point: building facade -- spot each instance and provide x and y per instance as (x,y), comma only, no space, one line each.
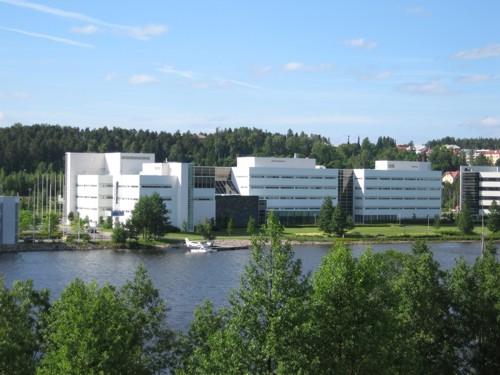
(395,191)
(99,185)
(9,220)
(479,187)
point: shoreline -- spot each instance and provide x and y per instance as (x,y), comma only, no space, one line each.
(63,246)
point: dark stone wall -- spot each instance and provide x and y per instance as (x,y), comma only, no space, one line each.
(238,207)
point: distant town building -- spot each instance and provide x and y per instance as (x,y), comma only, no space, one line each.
(9,220)
(100,185)
(450,176)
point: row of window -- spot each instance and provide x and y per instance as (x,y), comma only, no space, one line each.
(298,198)
(264,187)
(402,178)
(294,177)
(400,198)
(401,188)
(397,208)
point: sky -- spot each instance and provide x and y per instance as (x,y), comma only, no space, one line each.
(413,71)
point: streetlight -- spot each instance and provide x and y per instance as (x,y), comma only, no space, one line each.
(428,218)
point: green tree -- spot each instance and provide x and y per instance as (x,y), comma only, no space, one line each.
(150,217)
(464,220)
(493,221)
(425,342)
(265,329)
(119,234)
(230,226)
(437,221)
(90,330)
(353,325)
(21,309)
(148,313)
(251,226)
(339,221)
(476,307)
(205,229)
(325,219)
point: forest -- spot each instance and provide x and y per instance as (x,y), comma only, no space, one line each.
(376,313)
(33,156)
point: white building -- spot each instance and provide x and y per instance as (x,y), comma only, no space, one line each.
(396,190)
(99,185)
(293,188)
(9,220)
(479,187)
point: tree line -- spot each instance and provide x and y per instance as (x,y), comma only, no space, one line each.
(378,313)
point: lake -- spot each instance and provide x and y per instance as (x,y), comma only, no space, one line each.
(184,279)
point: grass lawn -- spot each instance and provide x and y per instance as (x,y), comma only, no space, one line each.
(389,232)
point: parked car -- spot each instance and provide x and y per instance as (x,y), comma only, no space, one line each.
(28,239)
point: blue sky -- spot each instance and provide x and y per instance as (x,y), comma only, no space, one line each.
(414,71)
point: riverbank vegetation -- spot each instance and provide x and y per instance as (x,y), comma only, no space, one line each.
(392,312)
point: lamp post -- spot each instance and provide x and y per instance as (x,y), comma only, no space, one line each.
(428,218)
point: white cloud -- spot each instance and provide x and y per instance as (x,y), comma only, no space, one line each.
(145,32)
(375,76)
(296,66)
(139,79)
(202,81)
(417,9)
(492,50)
(260,71)
(110,77)
(475,78)
(142,33)
(22,95)
(490,122)
(2,116)
(181,73)
(361,43)
(429,88)
(49,37)
(89,29)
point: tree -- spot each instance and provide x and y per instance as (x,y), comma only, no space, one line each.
(464,220)
(150,216)
(265,327)
(493,221)
(325,219)
(339,221)
(205,229)
(21,307)
(352,323)
(251,226)
(90,330)
(425,342)
(230,226)
(476,308)
(437,221)
(148,313)
(119,235)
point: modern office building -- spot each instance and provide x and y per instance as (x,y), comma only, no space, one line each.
(479,187)
(396,190)
(99,185)
(294,188)
(9,220)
